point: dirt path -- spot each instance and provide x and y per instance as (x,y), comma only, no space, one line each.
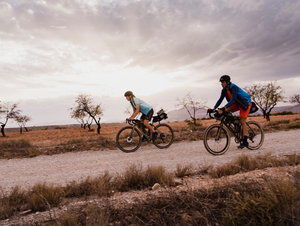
(63,168)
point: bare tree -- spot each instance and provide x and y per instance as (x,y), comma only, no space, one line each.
(85,104)
(22,120)
(82,117)
(295,99)
(266,96)
(8,111)
(191,105)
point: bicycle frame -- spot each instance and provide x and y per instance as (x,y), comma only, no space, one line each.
(135,124)
(238,134)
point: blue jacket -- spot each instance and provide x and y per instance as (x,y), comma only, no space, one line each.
(238,96)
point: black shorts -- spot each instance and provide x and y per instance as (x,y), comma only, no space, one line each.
(148,116)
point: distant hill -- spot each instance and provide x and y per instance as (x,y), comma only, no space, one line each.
(181,115)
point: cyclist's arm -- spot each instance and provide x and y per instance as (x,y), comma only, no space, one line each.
(136,111)
(220,100)
(233,96)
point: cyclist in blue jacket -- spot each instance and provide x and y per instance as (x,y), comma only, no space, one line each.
(238,100)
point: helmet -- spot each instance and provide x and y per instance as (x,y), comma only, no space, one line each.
(225,78)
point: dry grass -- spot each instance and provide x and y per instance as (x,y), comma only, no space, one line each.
(42,196)
(246,163)
(276,203)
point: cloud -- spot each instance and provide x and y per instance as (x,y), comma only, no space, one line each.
(52,47)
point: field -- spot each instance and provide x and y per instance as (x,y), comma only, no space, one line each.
(61,135)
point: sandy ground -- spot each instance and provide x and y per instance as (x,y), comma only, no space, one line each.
(63,168)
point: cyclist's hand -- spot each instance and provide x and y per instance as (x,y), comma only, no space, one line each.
(209,111)
(221,110)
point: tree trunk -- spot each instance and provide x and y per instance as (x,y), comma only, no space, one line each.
(21,130)
(99,127)
(26,129)
(195,121)
(89,126)
(2,130)
(268,116)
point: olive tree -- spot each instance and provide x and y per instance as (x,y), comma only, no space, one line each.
(85,105)
(8,111)
(22,120)
(266,96)
(191,105)
(295,99)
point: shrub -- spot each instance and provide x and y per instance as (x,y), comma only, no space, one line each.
(41,196)
(295,125)
(30,152)
(14,144)
(182,171)
(284,113)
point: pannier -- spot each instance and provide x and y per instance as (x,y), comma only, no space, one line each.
(254,108)
(161,115)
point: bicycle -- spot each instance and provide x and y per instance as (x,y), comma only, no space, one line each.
(129,138)
(217,138)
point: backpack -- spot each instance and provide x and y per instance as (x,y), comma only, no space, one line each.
(254,108)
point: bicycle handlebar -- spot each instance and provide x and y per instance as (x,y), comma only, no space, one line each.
(132,122)
(211,111)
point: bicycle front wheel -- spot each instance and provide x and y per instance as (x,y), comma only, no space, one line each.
(216,139)
(256,135)
(128,139)
(165,136)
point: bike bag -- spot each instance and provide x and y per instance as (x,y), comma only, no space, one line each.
(254,108)
(161,115)
(233,119)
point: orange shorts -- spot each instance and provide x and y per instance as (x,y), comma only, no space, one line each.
(243,113)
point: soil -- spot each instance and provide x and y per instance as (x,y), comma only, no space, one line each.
(63,168)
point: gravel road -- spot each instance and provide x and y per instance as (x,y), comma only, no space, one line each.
(64,168)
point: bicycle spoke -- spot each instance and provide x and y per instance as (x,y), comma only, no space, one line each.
(128,139)
(256,135)
(165,136)
(216,140)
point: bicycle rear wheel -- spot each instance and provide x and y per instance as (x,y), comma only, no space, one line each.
(128,139)
(216,139)
(256,135)
(165,136)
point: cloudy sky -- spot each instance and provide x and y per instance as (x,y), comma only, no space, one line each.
(53,50)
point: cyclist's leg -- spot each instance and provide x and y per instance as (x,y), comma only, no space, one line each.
(147,118)
(243,119)
(244,116)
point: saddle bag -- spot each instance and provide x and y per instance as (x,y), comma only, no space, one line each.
(161,115)
(254,108)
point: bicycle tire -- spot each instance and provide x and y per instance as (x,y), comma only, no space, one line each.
(126,143)
(256,135)
(214,145)
(165,136)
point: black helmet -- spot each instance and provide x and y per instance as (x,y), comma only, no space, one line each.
(225,78)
